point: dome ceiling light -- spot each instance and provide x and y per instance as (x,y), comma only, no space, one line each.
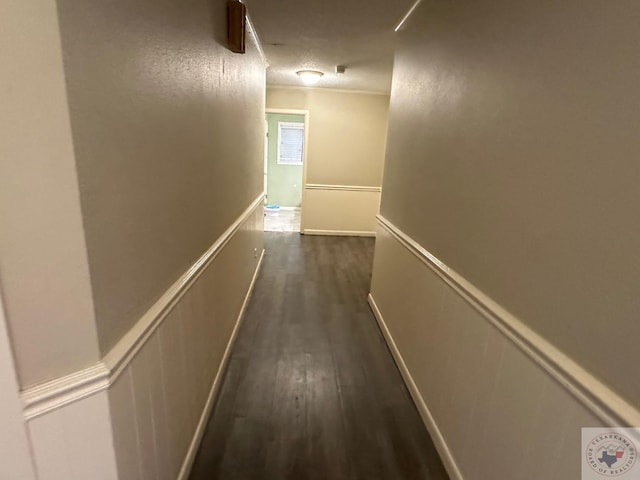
(310,77)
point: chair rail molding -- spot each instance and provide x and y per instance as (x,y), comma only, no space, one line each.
(589,391)
(46,397)
(346,188)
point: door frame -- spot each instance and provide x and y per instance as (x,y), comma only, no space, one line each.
(305,158)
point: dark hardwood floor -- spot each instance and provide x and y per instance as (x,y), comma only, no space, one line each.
(311,391)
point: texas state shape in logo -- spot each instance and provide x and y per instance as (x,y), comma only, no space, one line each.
(611,454)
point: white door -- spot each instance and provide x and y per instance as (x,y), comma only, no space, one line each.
(266,153)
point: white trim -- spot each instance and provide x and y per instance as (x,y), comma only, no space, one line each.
(45,397)
(256,38)
(338,233)
(287,111)
(345,188)
(599,399)
(438,440)
(215,388)
(327,89)
(407,15)
(49,396)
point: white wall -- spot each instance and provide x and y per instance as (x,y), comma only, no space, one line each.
(345,154)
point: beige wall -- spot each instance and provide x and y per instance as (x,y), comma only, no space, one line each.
(343,212)
(43,262)
(131,215)
(346,145)
(14,442)
(146,418)
(161,402)
(347,133)
(482,395)
(164,126)
(512,157)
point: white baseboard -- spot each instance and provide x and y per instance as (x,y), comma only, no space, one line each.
(441,445)
(215,388)
(338,233)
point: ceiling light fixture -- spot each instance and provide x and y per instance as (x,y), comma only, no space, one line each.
(310,77)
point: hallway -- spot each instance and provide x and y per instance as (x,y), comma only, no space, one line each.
(311,390)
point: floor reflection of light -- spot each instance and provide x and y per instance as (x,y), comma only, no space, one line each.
(283,220)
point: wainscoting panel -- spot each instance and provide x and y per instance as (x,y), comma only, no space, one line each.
(139,414)
(74,442)
(183,417)
(494,408)
(340,210)
(176,374)
(125,430)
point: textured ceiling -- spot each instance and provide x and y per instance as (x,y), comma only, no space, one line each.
(320,34)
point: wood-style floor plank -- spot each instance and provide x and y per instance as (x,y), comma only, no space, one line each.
(311,391)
